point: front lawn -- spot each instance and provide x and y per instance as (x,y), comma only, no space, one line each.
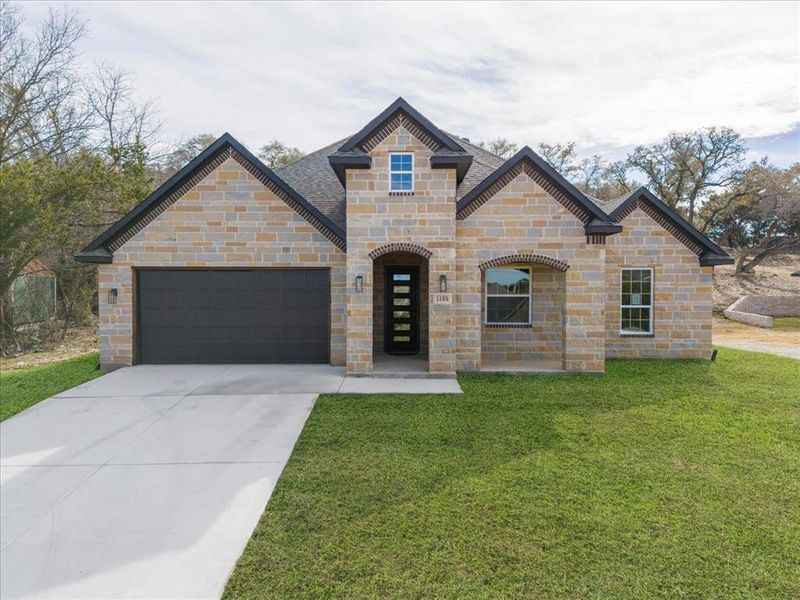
(23,388)
(671,479)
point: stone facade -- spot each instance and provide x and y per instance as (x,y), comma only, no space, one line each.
(682,293)
(541,342)
(522,218)
(231,219)
(228,220)
(375,218)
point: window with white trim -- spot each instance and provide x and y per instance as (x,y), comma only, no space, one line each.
(401,172)
(508,296)
(636,302)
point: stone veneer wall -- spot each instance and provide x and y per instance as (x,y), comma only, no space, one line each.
(375,218)
(682,293)
(228,220)
(524,218)
(543,340)
(379,292)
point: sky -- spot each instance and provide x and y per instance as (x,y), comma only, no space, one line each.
(608,76)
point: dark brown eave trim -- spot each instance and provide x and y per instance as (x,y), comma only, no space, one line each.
(400,105)
(341,162)
(711,254)
(101,255)
(598,226)
(710,259)
(460,163)
(97,251)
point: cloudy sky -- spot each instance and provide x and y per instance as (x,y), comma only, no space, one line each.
(606,75)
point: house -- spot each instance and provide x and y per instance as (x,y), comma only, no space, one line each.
(402,248)
(34,297)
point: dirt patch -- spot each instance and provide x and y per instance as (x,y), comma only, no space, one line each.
(771,278)
(76,342)
(725,331)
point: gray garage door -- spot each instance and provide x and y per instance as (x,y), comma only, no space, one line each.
(236,316)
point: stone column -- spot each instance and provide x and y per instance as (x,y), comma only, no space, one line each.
(584,310)
(441,317)
(359,312)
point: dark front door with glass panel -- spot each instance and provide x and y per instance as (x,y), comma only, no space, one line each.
(402,310)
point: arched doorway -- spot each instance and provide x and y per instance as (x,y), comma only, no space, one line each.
(400,309)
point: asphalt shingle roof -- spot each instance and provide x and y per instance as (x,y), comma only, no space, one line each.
(610,206)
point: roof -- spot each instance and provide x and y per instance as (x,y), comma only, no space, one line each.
(610,206)
(313,185)
(313,177)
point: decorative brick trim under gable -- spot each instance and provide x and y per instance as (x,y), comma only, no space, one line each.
(511,259)
(400,247)
(531,171)
(400,120)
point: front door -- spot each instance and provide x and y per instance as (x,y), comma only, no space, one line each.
(402,310)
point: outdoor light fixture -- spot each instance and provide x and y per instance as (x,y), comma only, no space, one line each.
(112,296)
(443,283)
(359,283)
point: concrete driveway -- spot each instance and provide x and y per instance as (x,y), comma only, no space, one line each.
(147,482)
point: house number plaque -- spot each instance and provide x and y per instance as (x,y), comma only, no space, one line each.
(443,298)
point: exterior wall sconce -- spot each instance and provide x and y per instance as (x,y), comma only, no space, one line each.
(359,284)
(112,296)
(443,283)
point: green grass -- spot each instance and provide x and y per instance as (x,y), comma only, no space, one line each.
(25,387)
(663,479)
(786,324)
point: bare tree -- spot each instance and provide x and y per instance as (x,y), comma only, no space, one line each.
(686,168)
(184,152)
(40,110)
(123,123)
(500,147)
(277,154)
(562,157)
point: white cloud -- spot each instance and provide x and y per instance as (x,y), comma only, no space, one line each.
(611,74)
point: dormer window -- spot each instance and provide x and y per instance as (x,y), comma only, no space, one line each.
(401,172)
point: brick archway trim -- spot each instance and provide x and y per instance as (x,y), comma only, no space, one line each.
(538,259)
(400,247)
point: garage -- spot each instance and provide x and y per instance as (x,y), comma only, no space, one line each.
(235,316)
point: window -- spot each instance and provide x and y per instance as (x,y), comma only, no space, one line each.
(401,172)
(508,296)
(637,302)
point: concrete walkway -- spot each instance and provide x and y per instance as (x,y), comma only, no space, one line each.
(790,350)
(148,482)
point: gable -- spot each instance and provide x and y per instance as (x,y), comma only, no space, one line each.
(708,252)
(596,222)
(101,249)
(354,153)
(228,213)
(400,113)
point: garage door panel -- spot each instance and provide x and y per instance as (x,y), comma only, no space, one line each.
(236,316)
